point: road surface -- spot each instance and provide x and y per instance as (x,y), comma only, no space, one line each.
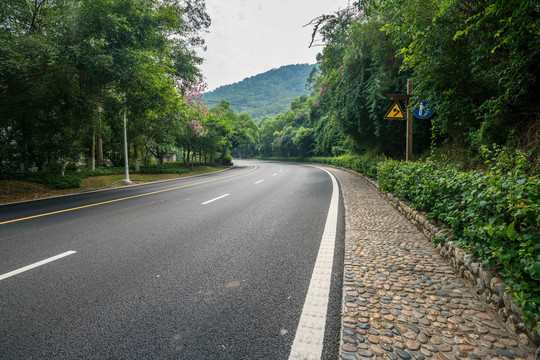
(210,267)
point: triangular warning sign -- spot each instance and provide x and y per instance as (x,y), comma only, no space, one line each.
(396,112)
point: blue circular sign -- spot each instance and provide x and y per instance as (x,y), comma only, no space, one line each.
(423,110)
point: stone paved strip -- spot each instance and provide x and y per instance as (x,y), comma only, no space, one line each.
(401,300)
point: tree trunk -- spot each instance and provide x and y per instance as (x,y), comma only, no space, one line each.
(99,151)
(136,157)
(92,160)
(189,163)
(99,141)
(73,138)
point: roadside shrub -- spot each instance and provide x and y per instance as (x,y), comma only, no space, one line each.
(170,164)
(164,169)
(55,181)
(494,214)
(102,171)
(227,159)
(364,164)
(64,182)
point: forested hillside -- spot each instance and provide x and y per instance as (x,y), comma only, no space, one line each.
(269,93)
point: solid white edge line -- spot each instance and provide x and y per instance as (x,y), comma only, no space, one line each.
(35,265)
(219,197)
(258,182)
(308,341)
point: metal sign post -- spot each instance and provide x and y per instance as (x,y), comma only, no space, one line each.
(396,113)
(408,155)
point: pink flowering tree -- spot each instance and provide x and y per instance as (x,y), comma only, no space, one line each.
(204,133)
(192,115)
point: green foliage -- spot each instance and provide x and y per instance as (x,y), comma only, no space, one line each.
(239,131)
(354,87)
(55,181)
(494,214)
(227,159)
(101,172)
(67,69)
(476,62)
(364,164)
(269,93)
(167,168)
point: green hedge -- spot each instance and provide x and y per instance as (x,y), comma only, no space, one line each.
(494,214)
(366,165)
(55,181)
(167,168)
(101,171)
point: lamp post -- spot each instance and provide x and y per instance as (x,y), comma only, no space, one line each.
(126,180)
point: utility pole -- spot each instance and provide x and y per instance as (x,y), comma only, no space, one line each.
(408,155)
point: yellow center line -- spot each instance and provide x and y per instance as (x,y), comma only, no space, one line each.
(126,198)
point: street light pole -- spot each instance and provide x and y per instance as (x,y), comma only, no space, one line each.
(126,180)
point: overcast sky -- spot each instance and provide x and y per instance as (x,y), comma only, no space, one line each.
(249,37)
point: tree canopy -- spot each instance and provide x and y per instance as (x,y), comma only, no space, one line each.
(476,63)
(69,69)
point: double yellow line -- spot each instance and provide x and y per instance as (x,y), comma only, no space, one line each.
(126,198)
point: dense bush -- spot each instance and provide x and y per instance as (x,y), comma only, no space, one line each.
(55,181)
(167,168)
(365,164)
(103,171)
(494,214)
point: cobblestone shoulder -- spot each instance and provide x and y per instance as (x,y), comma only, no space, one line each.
(401,299)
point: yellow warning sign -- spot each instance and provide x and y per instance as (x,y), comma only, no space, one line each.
(396,112)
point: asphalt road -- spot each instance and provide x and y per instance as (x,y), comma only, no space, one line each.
(211,267)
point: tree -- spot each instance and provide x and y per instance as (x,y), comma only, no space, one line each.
(303,140)
(62,61)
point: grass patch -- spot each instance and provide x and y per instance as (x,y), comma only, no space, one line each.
(20,190)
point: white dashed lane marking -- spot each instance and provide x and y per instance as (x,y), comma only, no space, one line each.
(35,265)
(219,197)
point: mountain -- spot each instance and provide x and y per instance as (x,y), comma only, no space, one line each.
(269,93)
